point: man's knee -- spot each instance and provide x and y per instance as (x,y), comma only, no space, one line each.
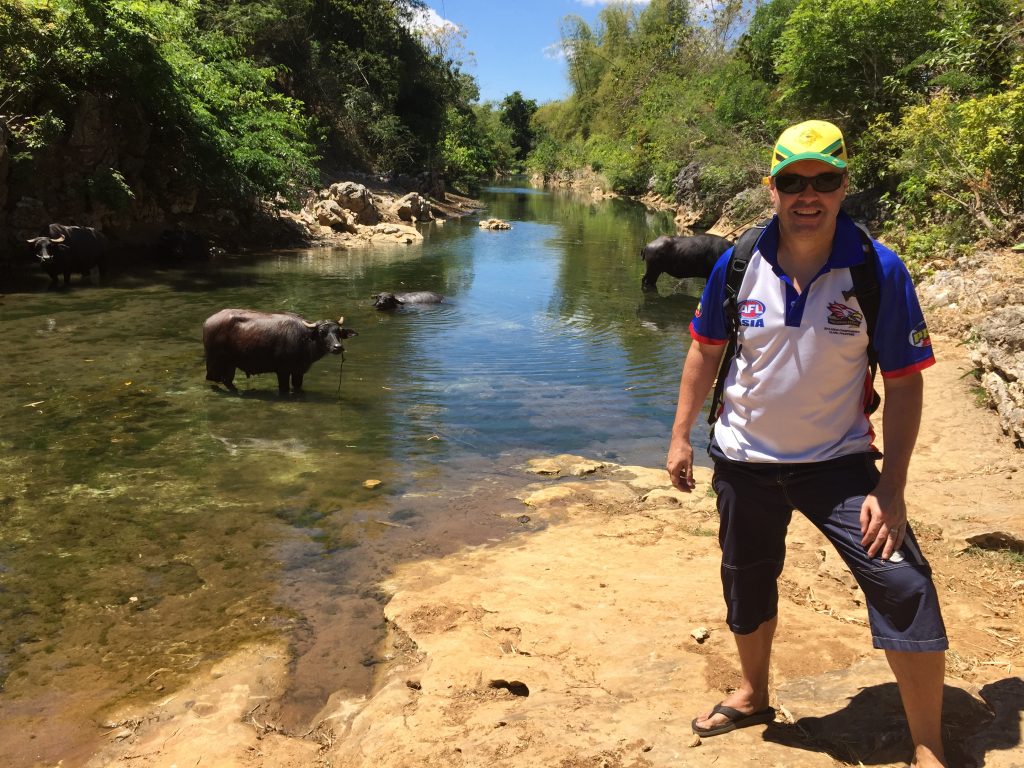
(751,594)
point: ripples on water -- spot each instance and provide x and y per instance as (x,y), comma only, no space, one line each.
(150,523)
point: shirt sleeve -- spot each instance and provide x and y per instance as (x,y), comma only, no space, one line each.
(709,323)
(901,334)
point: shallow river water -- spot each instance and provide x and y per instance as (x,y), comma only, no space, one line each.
(149,523)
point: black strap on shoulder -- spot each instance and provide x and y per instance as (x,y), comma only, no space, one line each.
(737,267)
(865,286)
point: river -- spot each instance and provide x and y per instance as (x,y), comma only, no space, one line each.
(150,523)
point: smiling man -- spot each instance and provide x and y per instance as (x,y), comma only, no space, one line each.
(794,430)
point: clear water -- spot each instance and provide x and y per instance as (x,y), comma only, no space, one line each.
(149,523)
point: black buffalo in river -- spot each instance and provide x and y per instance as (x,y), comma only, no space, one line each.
(263,342)
(393,300)
(64,249)
(690,256)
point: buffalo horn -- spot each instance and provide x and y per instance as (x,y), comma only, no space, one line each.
(33,241)
(308,324)
(57,239)
(341,320)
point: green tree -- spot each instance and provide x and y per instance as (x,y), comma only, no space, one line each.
(853,59)
(760,46)
(972,51)
(516,115)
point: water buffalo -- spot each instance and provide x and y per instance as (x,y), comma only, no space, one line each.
(692,256)
(66,249)
(263,342)
(392,300)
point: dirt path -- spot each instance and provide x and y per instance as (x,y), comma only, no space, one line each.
(574,644)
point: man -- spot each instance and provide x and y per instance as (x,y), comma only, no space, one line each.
(792,433)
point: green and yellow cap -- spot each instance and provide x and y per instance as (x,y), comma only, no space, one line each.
(810,140)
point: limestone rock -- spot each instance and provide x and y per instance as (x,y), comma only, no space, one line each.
(413,207)
(494,224)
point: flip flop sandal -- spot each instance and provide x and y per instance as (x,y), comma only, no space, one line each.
(736,720)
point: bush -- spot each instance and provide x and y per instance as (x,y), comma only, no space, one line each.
(626,169)
(963,161)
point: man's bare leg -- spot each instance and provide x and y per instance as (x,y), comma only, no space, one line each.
(755,652)
(920,678)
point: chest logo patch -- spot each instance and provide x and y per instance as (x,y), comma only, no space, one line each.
(840,314)
(752,313)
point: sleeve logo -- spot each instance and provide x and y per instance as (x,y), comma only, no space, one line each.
(919,336)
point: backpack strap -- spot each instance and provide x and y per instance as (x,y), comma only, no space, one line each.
(737,267)
(866,288)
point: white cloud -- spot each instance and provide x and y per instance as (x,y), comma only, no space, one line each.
(429,21)
(555,51)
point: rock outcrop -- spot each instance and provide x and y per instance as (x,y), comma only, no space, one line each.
(979,298)
(494,224)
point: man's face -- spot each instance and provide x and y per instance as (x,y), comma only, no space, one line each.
(809,212)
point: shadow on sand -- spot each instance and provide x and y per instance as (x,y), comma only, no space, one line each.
(872,730)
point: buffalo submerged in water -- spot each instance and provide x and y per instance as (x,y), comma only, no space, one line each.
(387,301)
(264,342)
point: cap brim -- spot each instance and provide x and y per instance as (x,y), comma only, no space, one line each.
(835,162)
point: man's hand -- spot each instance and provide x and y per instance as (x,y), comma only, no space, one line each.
(699,371)
(883,515)
(680,465)
(883,521)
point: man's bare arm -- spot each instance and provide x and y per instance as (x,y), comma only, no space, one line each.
(883,516)
(698,377)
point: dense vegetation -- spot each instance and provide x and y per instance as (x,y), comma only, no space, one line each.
(257,98)
(251,97)
(930,95)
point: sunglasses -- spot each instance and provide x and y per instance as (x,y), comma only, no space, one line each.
(793,183)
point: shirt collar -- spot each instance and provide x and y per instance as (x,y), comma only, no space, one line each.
(846,245)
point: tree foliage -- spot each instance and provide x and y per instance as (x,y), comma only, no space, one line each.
(839,56)
(516,113)
(926,92)
(250,97)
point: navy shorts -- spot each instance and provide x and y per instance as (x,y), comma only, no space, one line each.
(755,504)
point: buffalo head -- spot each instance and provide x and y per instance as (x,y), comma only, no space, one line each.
(44,249)
(331,334)
(386,301)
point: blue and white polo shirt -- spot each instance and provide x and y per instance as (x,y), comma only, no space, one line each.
(796,390)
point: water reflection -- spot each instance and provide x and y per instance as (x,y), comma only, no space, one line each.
(149,523)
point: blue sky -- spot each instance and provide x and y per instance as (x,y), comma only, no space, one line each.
(514,43)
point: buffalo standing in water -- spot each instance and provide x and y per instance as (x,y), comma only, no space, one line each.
(66,249)
(262,342)
(692,256)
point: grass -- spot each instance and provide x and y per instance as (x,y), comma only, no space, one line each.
(1006,557)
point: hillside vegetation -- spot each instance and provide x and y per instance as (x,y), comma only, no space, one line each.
(121,112)
(685,105)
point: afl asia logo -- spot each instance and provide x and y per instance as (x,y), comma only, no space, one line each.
(752,313)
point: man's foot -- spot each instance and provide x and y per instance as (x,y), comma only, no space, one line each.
(733,719)
(925,758)
(723,719)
